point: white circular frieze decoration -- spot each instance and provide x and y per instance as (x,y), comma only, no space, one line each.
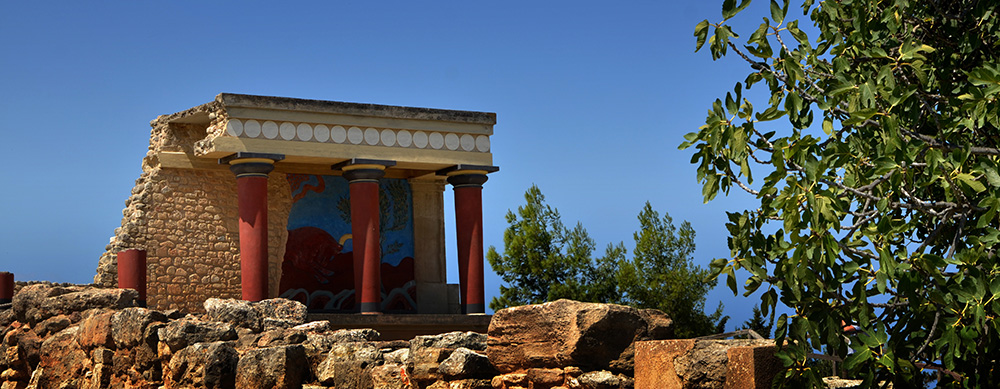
(483,143)
(468,142)
(251,128)
(436,140)
(404,139)
(234,127)
(338,134)
(420,139)
(304,131)
(371,136)
(388,137)
(355,135)
(322,133)
(287,131)
(269,129)
(451,140)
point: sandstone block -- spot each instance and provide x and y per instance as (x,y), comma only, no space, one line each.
(95,331)
(35,303)
(239,313)
(690,363)
(349,365)
(62,361)
(569,333)
(752,367)
(128,326)
(465,363)
(52,325)
(280,337)
(208,365)
(390,376)
(272,367)
(180,333)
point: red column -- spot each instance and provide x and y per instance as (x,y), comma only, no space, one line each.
(366,236)
(6,287)
(251,171)
(132,272)
(469,233)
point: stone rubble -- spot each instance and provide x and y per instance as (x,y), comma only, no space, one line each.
(58,336)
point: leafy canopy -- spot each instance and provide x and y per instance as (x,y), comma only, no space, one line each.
(877,139)
(545,261)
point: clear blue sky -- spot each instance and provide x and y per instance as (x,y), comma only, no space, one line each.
(592,99)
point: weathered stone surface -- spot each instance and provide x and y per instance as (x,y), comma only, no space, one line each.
(354,335)
(281,313)
(62,362)
(401,356)
(451,340)
(349,365)
(510,380)
(390,376)
(545,378)
(95,331)
(272,367)
(319,326)
(601,379)
(462,384)
(27,302)
(280,337)
(27,342)
(705,365)
(569,333)
(35,303)
(428,351)
(239,313)
(752,367)
(180,333)
(688,363)
(208,365)
(425,362)
(52,325)
(465,363)
(128,326)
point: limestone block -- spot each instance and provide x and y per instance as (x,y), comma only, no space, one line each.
(569,333)
(752,367)
(272,367)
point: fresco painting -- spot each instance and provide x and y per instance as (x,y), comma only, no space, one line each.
(318,267)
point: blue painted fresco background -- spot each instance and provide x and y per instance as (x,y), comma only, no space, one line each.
(320,209)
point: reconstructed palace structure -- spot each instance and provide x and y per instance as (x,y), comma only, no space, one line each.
(337,205)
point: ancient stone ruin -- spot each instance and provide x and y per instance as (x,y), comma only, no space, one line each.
(89,337)
(336,205)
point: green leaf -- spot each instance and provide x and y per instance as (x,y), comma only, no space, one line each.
(859,357)
(777,14)
(801,37)
(701,32)
(971,181)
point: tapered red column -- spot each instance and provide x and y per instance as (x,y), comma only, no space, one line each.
(468,183)
(6,287)
(132,272)
(251,171)
(363,178)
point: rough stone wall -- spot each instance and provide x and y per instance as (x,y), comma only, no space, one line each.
(187,221)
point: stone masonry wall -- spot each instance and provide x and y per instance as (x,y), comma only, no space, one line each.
(187,221)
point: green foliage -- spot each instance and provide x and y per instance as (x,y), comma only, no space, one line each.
(662,276)
(878,145)
(758,323)
(545,261)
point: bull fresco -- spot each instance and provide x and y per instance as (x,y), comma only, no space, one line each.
(318,267)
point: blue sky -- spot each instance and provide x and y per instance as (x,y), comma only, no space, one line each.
(592,99)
